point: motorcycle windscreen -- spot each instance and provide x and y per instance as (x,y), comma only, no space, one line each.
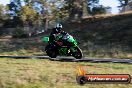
(45,39)
(71,39)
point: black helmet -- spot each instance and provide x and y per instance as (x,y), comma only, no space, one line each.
(58,27)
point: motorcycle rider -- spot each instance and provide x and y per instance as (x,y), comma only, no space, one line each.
(55,31)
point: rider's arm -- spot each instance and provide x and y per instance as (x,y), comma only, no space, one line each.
(51,38)
(64,33)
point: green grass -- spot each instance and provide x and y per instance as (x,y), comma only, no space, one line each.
(21,47)
(40,73)
(24,52)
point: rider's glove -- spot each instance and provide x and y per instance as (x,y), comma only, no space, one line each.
(60,43)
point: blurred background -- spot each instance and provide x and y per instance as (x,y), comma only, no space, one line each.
(101,26)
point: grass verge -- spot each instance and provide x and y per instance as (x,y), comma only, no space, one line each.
(40,73)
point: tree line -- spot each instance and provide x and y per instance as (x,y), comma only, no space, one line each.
(31,11)
(20,13)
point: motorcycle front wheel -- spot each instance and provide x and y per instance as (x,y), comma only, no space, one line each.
(78,54)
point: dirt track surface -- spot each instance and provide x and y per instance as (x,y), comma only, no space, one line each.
(70,59)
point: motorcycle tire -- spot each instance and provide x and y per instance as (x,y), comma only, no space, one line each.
(78,54)
(51,54)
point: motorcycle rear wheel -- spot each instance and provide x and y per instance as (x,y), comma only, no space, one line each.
(51,54)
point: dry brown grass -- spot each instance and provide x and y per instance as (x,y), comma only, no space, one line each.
(36,73)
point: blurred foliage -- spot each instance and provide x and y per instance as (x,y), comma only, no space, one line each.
(42,12)
(1,11)
(15,7)
(28,13)
(123,3)
(19,33)
(99,10)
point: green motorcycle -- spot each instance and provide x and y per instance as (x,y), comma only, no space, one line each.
(65,45)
